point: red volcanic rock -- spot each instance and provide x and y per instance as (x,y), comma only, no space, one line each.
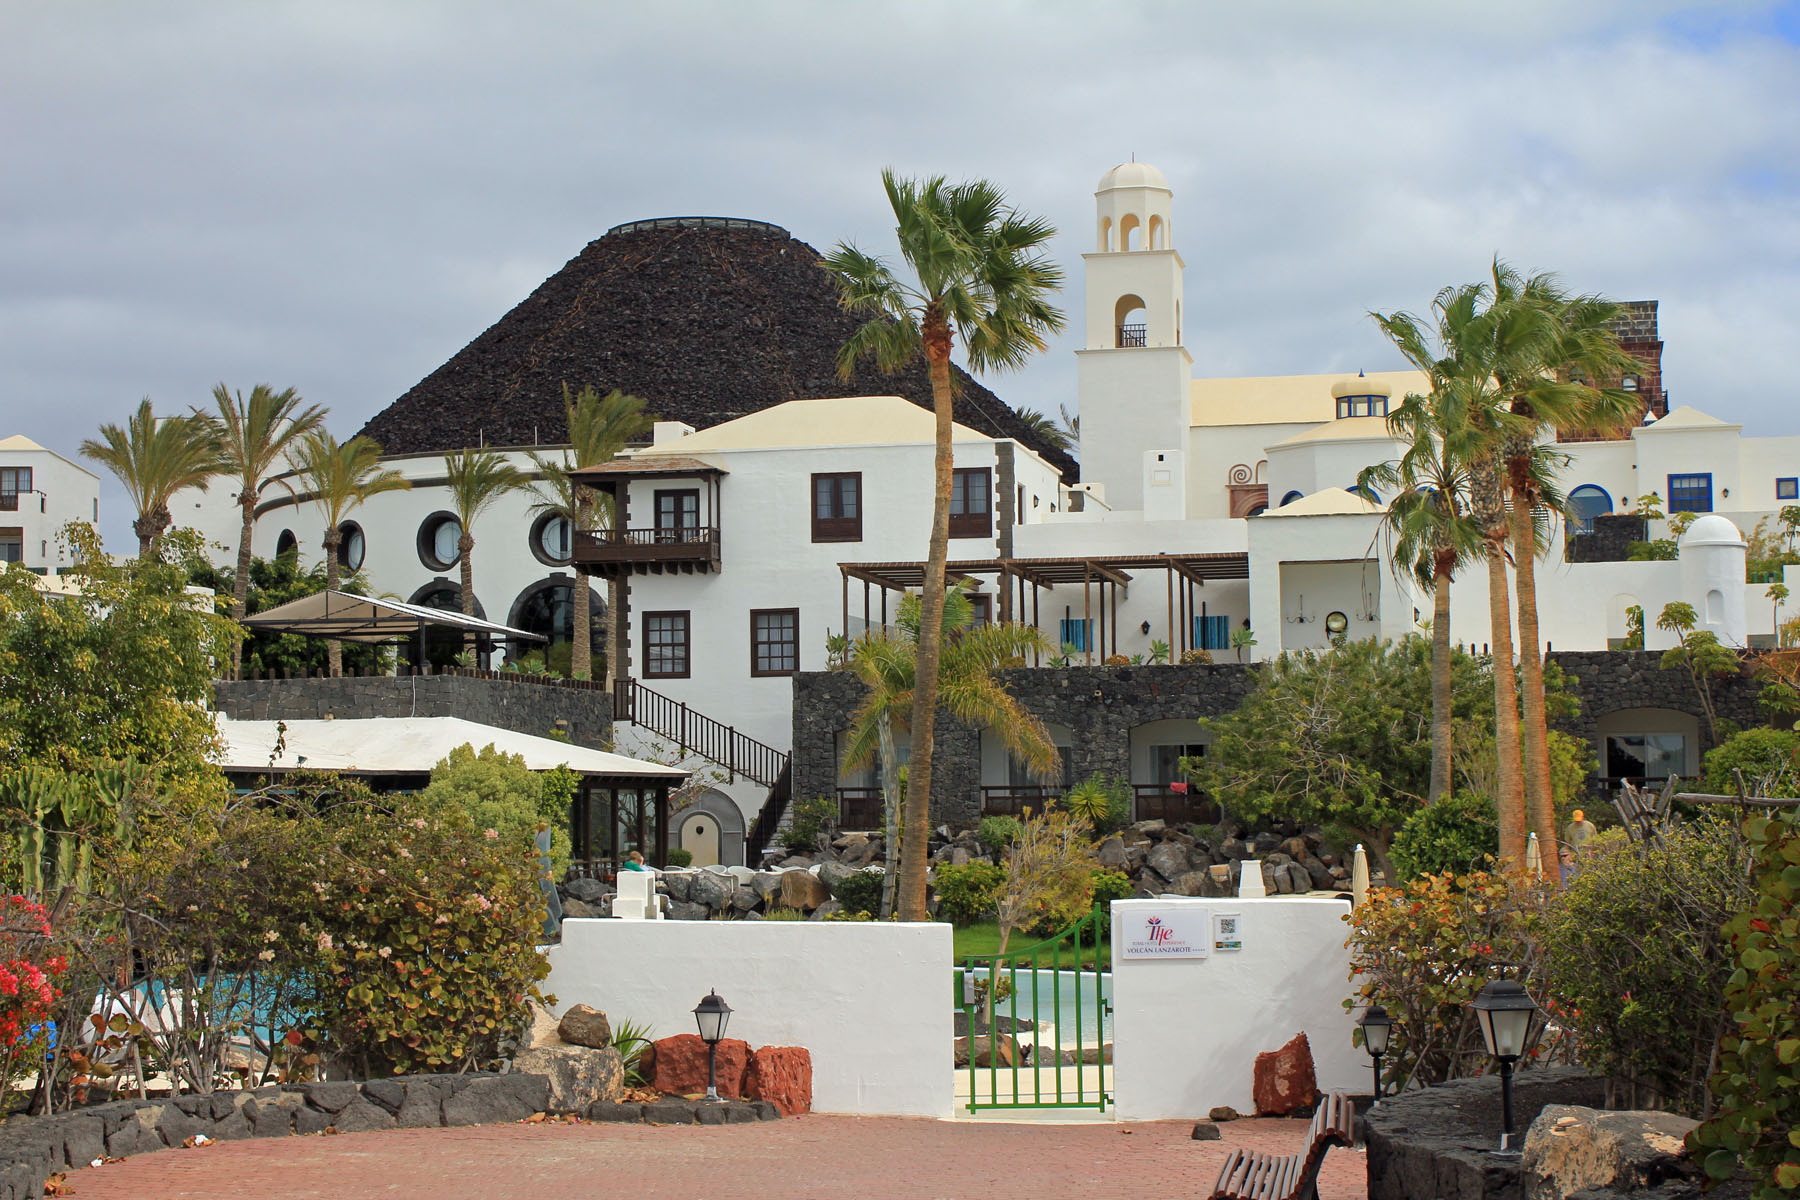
(678,1065)
(1284,1079)
(782,1075)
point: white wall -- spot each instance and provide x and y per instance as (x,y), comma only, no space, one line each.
(870,1001)
(61,492)
(1186,1032)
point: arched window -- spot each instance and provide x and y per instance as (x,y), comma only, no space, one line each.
(442,645)
(1291,497)
(1130,321)
(1367,493)
(1106,235)
(1257,510)
(1129,232)
(1155,238)
(1585,503)
(286,543)
(547,608)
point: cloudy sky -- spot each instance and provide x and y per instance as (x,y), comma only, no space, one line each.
(338,196)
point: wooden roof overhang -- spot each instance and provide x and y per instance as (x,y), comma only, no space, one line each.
(1052,572)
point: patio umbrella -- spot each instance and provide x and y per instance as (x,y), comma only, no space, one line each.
(1534,858)
(1359,876)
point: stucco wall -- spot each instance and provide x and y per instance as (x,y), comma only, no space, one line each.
(870,1001)
(523,707)
(1186,1032)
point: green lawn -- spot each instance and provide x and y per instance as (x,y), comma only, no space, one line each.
(984,938)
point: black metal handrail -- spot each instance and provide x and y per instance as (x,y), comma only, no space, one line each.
(696,733)
(1134,335)
(762,830)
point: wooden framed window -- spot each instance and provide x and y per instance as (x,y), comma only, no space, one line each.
(12,545)
(972,502)
(837,507)
(14,482)
(677,514)
(774,641)
(981,605)
(666,645)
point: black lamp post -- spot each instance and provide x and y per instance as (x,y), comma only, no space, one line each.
(1376,1025)
(712,1014)
(1510,1024)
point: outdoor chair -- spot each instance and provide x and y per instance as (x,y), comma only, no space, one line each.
(1250,1175)
(637,898)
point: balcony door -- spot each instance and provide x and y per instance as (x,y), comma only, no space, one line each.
(678,515)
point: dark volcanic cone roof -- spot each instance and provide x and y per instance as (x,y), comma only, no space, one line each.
(706,318)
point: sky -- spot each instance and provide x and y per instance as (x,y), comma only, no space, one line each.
(339,196)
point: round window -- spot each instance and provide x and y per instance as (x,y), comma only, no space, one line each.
(351,546)
(438,541)
(551,538)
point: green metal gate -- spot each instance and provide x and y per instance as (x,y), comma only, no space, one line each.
(1049,1042)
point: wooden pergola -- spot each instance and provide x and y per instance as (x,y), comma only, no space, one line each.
(1102,577)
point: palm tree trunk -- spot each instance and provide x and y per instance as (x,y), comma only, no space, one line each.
(334,649)
(240,587)
(1510,803)
(466,545)
(891,798)
(1540,805)
(931,630)
(581,644)
(1441,704)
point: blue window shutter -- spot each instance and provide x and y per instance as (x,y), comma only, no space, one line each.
(1212,633)
(1075,632)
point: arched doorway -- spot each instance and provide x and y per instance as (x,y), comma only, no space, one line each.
(712,830)
(1585,503)
(546,608)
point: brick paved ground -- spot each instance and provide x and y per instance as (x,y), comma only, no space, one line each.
(813,1156)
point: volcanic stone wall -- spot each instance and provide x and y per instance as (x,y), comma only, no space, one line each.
(1608,681)
(1610,541)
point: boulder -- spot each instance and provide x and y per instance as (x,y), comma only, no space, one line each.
(579,1076)
(683,910)
(745,899)
(1570,1149)
(1234,849)
(782,1076)
(1112,854)
(767,884)
(1283,1079)
(825,910)
(803,890)
(424,1104)
(711,888)
(680,1065)
(581,909)
(1296,848)
(1223,1112)
(1205,1131)
(1151,827)
(1168,860)
(1220,881)
(588,891)
(1195,883)
(330,1097)
(584,1026)
(496,1099)
(862,853)
(137,1133)
(359,1116)
(679,884)
(1319,874)
(833,873)
(984,1051)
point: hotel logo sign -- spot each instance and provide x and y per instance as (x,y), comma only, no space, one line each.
(1162,933)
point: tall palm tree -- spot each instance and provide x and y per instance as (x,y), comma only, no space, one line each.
(978,272)
(600,427)
(339,477)
(1428,522)
(476,479)
(154,459)
(253,436)
(887,663)
(1547,342)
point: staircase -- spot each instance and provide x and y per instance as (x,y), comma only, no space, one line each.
(696,733)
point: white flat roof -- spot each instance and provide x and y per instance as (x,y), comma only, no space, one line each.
(409,746)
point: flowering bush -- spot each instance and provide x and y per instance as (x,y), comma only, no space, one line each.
(426,942)
(28,992)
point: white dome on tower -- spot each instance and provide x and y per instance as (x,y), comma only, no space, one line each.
(1132,175)
(1359,386)
(1712,530)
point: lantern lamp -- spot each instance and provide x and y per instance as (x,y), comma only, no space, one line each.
(712,1015)
(1511,1023)
(1376,1025)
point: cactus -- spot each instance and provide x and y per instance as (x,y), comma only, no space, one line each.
(58,816)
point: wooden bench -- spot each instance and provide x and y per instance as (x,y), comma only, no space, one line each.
(1249,1175)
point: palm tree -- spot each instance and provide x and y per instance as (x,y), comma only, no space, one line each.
(1429,524)
(887,664)
(253,436)
(338,478)
(1546,343)
(600,427)
(977,272)
(476,479)
(154,460)
(1047,428)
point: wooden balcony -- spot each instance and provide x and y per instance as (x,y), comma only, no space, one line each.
(1157,802)
(1012,799)
(612,552)
(860,808)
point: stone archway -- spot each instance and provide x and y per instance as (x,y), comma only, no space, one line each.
(712,830)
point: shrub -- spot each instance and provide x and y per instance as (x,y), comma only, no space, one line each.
(860,893)
(495,790)
(1105,804)
(1633,952)
(966,893)
(631,1040)
(1457,834)
(1758,1081)
(1110,886)
(1196,657)
(1424,950)
(28,990)
(1769,759)
(997,833)
(680,857)
(811,817)
(1049,880)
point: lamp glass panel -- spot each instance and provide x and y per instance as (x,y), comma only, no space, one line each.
(1512,1026)
(1375,1037)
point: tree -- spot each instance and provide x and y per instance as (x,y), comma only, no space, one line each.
(339,477)
(476,479)
(978,272)
(1548,343)
(1699,653)
(887,663)
(1776,595)
(1339,736)
(1430,527)
(253,435)
(599,430)
(1046,428)
(154,460)
(1049,875)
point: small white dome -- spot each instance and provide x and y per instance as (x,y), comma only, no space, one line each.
(1359,385)
(1132,175)
(1712,530)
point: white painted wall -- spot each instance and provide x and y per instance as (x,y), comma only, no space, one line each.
(62,491)
(871,1001)
(1186,1032)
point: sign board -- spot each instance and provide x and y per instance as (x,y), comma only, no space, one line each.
(1171,932)
(1228,931)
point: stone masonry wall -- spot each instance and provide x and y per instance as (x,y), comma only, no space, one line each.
(1612,680)
(523,706)
(1611,539)
(1101,705)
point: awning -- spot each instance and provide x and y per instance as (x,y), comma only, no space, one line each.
(350,618)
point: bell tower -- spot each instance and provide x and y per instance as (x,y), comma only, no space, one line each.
(1134,374)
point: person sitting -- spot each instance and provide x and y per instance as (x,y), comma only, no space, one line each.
(634,861)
